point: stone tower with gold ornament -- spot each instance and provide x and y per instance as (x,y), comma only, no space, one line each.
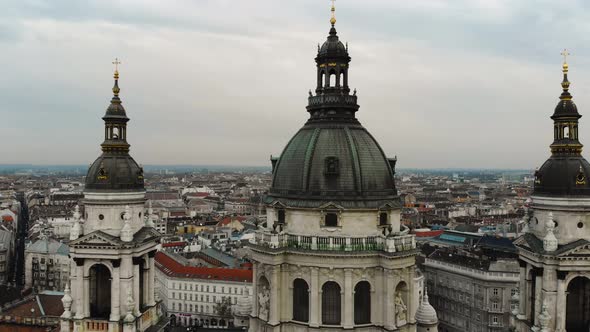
(333,255)
(112,270)
(554,253)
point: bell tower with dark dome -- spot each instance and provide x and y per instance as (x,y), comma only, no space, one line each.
(113,245)
(333,254)
(565,172)
(554,252)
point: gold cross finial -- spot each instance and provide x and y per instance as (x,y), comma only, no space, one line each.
(333,10)
(565,53)
(116,63)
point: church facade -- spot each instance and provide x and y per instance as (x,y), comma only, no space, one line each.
(113,245)
(333,254)
(554,254)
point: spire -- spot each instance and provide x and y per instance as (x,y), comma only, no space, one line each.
(116,77)
(332,100)
(333,15)
(566,118)
(565,84)
(115,120)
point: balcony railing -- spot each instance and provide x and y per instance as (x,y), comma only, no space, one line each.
(97,325)
(397,243)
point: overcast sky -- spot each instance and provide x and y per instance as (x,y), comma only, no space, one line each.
(466,83)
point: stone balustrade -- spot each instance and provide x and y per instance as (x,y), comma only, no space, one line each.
(392,243)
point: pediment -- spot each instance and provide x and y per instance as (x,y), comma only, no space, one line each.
(579,250)
(96,238)
(331,206)
(278,204)
(146,233)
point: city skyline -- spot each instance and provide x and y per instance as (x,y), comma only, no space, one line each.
(200,88)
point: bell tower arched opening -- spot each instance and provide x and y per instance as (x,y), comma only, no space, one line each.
(577,318)
(100,291)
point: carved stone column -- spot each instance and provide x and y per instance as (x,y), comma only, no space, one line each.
(78,288)
(314,299)
(151,278)
(86,290)
(286,298)
(561,304)
(274,296)
(522,290)
(348,299)
(136,297)
(388,304)
(115,291)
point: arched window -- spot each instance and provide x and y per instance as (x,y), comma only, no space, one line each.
(577,315)
(362,303)
(566,131)
(300,300)
(115,133)
(332,78)
(331,303)
(322,79)
(100,291)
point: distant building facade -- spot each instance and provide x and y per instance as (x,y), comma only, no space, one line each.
(195,295)
(47,265)
(470,293)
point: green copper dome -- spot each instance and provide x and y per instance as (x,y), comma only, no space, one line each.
(333,158)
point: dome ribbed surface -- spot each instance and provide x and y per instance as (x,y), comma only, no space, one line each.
(426,314)
(559,176)
(364,173)
(115,172)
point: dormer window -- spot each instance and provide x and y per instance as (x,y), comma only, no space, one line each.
(383,219)
(281,216)
(332,166)
(331,219)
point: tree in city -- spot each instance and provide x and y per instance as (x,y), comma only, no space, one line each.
(223,307)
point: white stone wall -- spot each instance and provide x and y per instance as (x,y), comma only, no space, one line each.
(112,207)
(568,213)
(351,223)
(196,298)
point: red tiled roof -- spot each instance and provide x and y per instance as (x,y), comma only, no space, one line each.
(198,194)
(174,244)
(429,233)
(7,218)
(171,267)
(228,220)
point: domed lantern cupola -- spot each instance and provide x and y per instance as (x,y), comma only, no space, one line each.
(115,169)
(566,171)
(333,158)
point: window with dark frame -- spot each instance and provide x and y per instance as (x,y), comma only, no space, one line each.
(331,311)
(383,218)
(300,300)
(281,216)
(331,219)
(332,166)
